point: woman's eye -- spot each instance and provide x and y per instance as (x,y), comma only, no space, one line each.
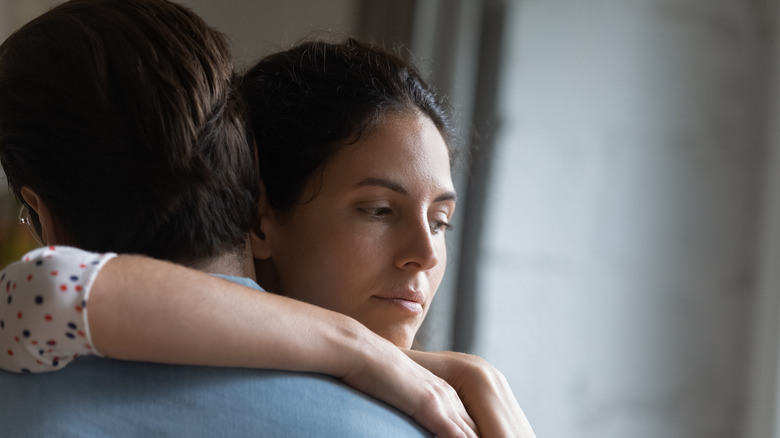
(439,226)
(377,212)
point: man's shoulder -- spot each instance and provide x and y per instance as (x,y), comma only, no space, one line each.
(104,397)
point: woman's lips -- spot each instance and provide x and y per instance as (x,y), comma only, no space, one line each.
(409,300)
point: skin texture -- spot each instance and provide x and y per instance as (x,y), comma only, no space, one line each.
(367,239)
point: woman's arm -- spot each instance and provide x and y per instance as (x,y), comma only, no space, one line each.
(62,302)
(147,310)
(483,390)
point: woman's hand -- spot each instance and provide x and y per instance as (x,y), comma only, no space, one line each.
(483,389)
(386,373)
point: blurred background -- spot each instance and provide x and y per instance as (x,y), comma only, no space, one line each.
(617,246)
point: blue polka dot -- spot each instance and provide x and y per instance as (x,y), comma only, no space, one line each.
(83,304)
(2,277)
(38,299)
(2,324)
(70,335)
(55,362)
(74,278)
(96,262)
(38,262)
(26,333)
(72,325)
(10,298)
(40,352)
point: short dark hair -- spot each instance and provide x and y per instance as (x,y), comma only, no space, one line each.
(124,118)
(307,102)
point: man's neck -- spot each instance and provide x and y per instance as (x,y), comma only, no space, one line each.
(238,264)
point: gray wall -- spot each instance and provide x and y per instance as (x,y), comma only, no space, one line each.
(256,27)
(618,262)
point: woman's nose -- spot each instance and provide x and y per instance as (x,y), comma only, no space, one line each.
(418,247)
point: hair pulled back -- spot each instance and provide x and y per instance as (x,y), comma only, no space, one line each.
(306,103)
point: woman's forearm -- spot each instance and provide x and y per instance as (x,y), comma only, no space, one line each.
(149,310)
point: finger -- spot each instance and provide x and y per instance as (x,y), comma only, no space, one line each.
(466,422)
(445,404)
(470,426)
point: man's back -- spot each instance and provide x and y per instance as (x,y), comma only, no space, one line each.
(96,397)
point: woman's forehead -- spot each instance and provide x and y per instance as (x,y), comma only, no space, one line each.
(400,146)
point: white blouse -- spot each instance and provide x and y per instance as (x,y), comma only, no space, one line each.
(43,311)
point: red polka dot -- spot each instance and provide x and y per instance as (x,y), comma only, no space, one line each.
(16,338)
(39,362)
(26,259)
(34,342)
(82,266)
(47,317)
(78,288)
(78,309)
(82,334)
(87,346)
(19,315)
(52,248)
(29,277)
(53,273)
(63,287)
(10,352)
(51,342)
(13,287)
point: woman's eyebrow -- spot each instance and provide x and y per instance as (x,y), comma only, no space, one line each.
(447,196)
(386,183)
(398,188)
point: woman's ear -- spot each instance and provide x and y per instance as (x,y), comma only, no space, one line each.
(51,232)
(261,247)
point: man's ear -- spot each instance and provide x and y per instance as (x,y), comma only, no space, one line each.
(259,236)
(30,198)
(51,232)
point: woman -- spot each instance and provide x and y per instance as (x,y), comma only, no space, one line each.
(355,153)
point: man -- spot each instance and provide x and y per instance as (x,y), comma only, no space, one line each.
(120,131)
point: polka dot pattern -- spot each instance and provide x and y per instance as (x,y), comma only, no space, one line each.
(43,321)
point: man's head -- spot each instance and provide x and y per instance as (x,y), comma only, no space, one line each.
(122,119)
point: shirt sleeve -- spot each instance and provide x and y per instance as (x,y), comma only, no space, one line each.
(43,312)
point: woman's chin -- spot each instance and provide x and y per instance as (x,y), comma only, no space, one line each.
(400,336)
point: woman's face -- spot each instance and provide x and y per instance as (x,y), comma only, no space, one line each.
(367,239)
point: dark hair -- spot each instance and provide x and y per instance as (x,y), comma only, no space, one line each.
(124,118)
(307,102)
